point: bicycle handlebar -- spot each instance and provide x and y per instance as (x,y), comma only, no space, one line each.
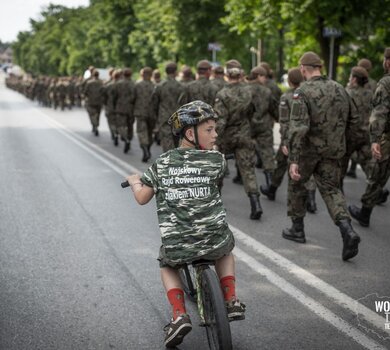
(125,184)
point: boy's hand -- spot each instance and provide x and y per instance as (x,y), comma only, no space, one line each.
(132,179)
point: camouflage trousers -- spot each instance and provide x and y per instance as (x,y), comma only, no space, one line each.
(244,153)
(361,153)
(265,148)
(327,174)
(166,137)
(281,168)
(111,120)
(376,181)
(94,114)
(144,129)
(124,124)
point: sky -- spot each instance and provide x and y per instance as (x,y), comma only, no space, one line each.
(15,14)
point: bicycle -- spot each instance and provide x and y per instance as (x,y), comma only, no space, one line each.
(201,285)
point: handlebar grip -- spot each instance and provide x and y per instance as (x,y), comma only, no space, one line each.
(125,184)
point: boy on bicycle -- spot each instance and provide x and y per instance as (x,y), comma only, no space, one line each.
(186,181)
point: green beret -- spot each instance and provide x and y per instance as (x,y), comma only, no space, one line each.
(310,59)
(359,72)
(365,63)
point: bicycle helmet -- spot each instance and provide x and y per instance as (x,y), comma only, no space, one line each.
(188,115)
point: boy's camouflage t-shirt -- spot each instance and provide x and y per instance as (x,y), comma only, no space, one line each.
(190,212)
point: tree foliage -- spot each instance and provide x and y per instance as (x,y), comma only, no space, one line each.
(136,33)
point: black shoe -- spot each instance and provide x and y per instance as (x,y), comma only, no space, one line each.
(383,199)
(311,205)
(270,191)
(127,147)
(235,310)
(296,233)
(361,215)
(96,132)
(256,210)
(238,179)
(176,330)
(146,154)
(116,140)
(93,129)
(352,170)
(351,239)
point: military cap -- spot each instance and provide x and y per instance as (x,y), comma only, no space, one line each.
(203,64)
(233,64)
(147,70)
(171,65)
(127,72)
(258,71)
(295,76)
(310,59)
(266,66)
(359,72)
(365,63)
(218,70)
(387,52)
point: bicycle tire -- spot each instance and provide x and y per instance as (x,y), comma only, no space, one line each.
(215,313)
(187,276)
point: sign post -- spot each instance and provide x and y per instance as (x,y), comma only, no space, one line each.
(331,33)
(214,47)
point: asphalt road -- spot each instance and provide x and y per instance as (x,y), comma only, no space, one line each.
(78,265)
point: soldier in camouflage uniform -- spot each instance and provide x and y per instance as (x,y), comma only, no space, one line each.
(156,77)
(143,112)
(200,89)
(379,128)
(165,103)
(184,178)
(321,116)
(295,78)
(94,100)
(361,97)
(218,78)
(266,113)
(109,103)
(62,92)
(370,85)
(367,65)
(235,109)
(186,75)
(124,95)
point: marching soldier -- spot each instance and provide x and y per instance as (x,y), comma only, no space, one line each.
(94,100)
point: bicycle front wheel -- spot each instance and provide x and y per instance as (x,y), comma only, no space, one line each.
(215,314)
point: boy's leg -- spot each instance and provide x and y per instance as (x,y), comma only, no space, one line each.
(180,324)
(225,268)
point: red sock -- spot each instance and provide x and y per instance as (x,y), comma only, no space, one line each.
(176,298)
(228,285)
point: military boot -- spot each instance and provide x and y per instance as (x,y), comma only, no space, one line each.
(116,140)
(361,215)
(238,179)
(146,154)
(127,146)
(256,209)
(270,191)
(311,205)
(351,239)
(352,170)
(383,198)
(296,233)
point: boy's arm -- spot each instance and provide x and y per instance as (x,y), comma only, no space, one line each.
(142,193)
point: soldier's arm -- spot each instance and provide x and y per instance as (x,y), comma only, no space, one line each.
(284,118)
(353,128)
(379,118)
(222,112)
(299,126)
